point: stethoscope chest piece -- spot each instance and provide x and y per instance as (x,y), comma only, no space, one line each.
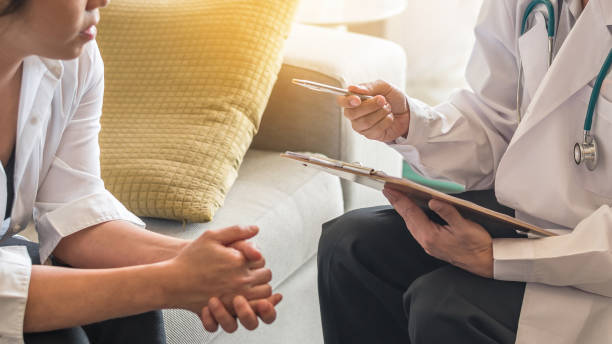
(586,152)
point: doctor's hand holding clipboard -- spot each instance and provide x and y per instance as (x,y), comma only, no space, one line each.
(386,117)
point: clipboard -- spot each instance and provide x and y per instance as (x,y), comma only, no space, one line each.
(497,224)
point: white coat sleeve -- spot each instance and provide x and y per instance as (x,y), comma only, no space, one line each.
(72,196)
(464,139)
(580,259)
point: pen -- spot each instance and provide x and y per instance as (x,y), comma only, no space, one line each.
(315,86)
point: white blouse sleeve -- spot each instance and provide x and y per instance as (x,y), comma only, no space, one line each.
(72,195)
(15,269)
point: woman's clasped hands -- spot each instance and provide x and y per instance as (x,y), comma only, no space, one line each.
(221,277)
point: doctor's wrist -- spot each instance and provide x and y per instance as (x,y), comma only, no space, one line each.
(405,135)
(402,127)
(479,262)
(405,120)
(483,266)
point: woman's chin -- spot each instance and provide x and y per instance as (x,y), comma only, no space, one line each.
(69,53)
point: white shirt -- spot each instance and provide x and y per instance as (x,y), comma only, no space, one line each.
(57,171)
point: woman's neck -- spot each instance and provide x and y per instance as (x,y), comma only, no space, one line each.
(11,58)
(9,72)
(584,3)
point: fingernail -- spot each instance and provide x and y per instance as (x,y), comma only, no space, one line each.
(381,101)
(435,206)
(355,102)
(387,107)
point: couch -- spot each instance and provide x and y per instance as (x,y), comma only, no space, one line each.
(287,201)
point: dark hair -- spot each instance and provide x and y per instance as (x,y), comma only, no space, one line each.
(12,7)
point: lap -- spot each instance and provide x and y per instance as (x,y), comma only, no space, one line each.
(146,328)
(378,240)
(141,328)
(374,246)
(74,335)
(380,234)
(452,304)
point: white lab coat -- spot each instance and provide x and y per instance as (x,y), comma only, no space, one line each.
(476,140)
(57,171)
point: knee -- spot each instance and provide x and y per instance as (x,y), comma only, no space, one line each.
(429,305)
(342,234)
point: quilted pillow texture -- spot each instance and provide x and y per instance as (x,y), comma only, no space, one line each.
(187,82)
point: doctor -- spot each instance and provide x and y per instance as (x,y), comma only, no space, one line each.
(395,276)
(51,90)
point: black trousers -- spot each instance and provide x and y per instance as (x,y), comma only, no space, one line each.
(143,328)
(377,285)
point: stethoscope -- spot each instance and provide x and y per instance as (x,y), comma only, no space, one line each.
(585,152)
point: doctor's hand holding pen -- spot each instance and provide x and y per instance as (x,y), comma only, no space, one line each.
(385,117)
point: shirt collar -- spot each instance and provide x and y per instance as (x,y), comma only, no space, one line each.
(35,69)
(605,7)
(37,72)
(574,7)
(54,67)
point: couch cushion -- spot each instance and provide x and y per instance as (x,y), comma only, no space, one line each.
(186,84)
(287,201)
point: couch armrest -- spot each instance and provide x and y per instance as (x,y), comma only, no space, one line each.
(299,120)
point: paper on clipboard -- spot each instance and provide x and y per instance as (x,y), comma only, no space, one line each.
(498,224)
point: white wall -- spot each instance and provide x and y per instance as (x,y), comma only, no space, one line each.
(437,36)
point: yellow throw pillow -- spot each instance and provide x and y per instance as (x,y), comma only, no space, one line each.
(187,82)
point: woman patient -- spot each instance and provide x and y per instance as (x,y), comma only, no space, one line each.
(120,275)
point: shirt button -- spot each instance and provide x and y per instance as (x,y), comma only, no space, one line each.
(34,121)
(16,228)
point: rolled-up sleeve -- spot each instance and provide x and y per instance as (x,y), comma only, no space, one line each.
(72,195)
(15,271)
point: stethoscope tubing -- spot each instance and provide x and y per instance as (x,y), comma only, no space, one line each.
(587,150)
(551,16)
(588,121)
(550,27)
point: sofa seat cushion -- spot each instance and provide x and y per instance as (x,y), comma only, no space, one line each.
(286,200)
